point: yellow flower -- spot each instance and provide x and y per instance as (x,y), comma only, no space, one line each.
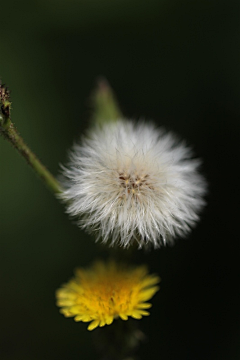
(105,292)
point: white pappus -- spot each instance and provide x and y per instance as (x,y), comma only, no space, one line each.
(132,182)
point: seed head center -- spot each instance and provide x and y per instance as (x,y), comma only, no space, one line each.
(133,183)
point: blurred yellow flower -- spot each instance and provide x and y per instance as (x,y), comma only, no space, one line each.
(105,292)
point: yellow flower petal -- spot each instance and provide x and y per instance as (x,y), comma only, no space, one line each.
(123,316)
(93,325)
(148,294)
(144,306)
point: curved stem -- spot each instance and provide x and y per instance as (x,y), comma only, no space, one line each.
(10,133)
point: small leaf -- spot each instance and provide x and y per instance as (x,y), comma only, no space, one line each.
(104,104)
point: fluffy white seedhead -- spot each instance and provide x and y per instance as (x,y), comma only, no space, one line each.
(133,182)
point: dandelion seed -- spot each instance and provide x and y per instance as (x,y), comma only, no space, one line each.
(133,182)
(106,292)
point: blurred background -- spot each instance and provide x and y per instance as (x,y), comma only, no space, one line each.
(176,62)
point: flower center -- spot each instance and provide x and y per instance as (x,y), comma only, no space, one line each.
(133,183)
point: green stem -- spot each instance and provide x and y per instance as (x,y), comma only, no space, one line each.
(105,109)
(8,130)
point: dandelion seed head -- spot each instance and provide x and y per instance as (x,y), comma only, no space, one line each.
(131,182)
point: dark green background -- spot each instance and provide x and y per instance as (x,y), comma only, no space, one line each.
(176,62)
